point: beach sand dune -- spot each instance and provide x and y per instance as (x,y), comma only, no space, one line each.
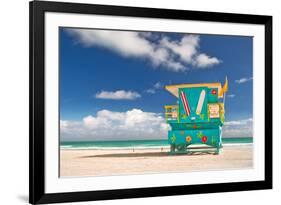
(75,163)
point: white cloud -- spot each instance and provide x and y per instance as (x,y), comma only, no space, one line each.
(118,95)
(150,91)
(155,87)
(239,122)
(175,66)
(186,48)
(231,95)
(108,125)
(238,128)
(204,61)
(243,80)
(125,43)
(159,50)
(135,124)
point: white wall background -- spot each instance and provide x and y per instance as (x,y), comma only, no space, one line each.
(14,100)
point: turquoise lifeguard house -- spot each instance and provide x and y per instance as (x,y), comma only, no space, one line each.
(197,118)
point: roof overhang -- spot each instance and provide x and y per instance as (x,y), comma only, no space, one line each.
(173,89)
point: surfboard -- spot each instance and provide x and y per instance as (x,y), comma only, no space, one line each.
(200,102)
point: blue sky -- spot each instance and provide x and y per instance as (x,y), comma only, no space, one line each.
(109,77)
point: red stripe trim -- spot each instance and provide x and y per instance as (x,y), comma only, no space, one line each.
(185,103)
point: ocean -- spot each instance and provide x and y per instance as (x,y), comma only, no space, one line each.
(141,144)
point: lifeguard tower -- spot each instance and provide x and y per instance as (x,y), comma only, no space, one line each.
(197,118)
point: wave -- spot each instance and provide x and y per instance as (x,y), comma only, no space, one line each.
(237,144)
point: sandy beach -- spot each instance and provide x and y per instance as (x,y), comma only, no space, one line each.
(140,161)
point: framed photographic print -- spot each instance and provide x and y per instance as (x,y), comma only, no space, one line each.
(140,102)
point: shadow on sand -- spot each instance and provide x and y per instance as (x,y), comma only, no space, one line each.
(146,154)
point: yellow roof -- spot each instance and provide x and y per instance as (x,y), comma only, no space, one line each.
(174,88)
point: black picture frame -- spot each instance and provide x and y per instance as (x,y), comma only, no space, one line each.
(37,194)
